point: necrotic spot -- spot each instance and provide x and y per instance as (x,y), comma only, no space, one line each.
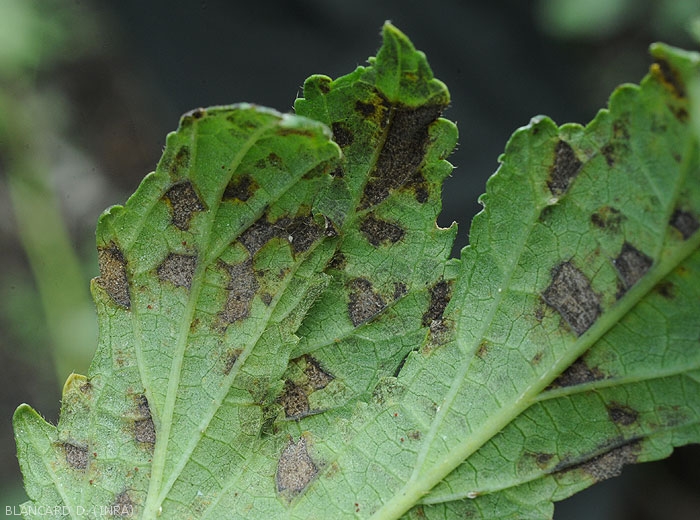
(184,203)
(566,166)
(122,506)
(364,302)
(440,294)
(318,378)
(295,469)
(365,109)
(668,76)
(303,232)
(571,295)
(631,264)
(378,231)
(402,153)
(294,401)
(621,414)
(180,162)
(241,187)
(685,222)
(577,374)
(113,274)
(76,456)
(177,269)
(144,429)
(342,134)
(241,288)
(610,464)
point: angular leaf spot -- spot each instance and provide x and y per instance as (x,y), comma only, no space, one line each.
(295,469)
(184,203)
(318,378)
(177,269)
(621,414)
(685,222)
(294,400)
(113,274)
(440,295)
(663,71)
(631,264)
(571,295)
(144,429)
(578,373)
(364,302)
(241,187)
(380,232)
(565,168)
(241,289)
(342,134)
(76,456)
(610,464)
(402,153)
(123,506)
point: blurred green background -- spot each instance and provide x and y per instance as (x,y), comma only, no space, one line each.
(89,89)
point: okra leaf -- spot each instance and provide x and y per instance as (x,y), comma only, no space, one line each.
(284,335)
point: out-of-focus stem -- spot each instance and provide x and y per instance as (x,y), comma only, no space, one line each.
(68,310)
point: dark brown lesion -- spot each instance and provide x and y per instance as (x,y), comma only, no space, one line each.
(685,222)
(571,295)
(380,232)
(631,264)
(669,77)
(183,201)
(578,373)
(177,269)
(113,277)
(300,231)
(76,456)
(241,187)
(144,428)
(364,302)
(621,414)
(294,400)
(608,463)
(402,153)
(295,469)
(242,287)
(564,170)
(440,295)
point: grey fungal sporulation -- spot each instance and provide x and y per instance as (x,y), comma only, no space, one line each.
(317,376)
(565,168)
(294,401)
(571,295)
(578,373)
(76,456)
(685,222)
(113,274)
(380,232)
(122,506)
(631,264)
(440,295)
(609,464)
(402,153)
(295,469)
(364,302)
(144,429)
(184,203)
(177,269)
(242,287)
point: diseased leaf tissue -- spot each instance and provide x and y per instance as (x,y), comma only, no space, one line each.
(284,335)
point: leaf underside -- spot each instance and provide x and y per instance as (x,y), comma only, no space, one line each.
(284,335)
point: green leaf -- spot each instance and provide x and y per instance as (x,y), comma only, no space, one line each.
(284,335)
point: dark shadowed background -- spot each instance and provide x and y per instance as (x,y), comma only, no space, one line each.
(89,89)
